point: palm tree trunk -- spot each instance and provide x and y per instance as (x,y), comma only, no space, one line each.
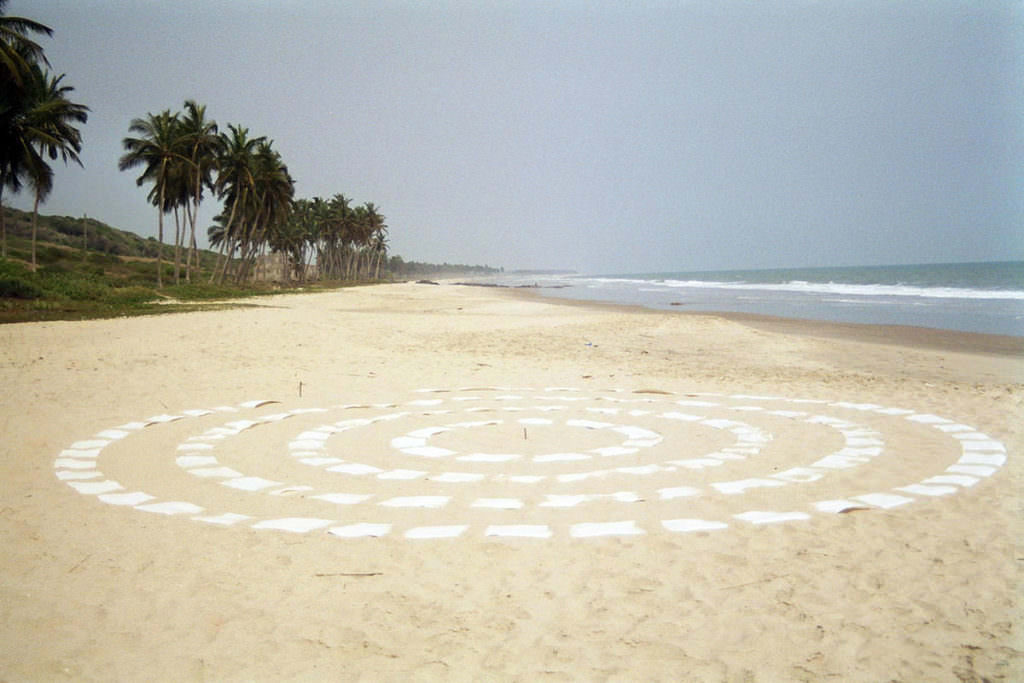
(226,243)
(255,241)
(3,219)
(35,221)
(194,257)
(229,253)
(193,252)
(229,250)
(177,245)
(216,264)
(160,242)
(189,250)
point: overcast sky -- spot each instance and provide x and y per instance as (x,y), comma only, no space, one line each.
(606,137)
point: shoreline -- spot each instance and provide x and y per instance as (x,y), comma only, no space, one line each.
(896,335)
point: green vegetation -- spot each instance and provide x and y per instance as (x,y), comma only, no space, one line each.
(38,123)
(117,274)
(70,283)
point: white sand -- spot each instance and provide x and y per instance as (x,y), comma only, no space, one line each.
(590,493)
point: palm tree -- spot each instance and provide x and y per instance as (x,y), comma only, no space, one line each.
(51,117)
(375,237)
(17,51)
(234,185)
(37,122)
(293,238)
(272,192)
(332,217)
(202,144)
(378,238)
(155,149)
(177,193)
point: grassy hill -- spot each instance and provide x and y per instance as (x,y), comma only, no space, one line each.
(79,232)
(116,274)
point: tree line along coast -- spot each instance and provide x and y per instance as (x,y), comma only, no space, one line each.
(181,159)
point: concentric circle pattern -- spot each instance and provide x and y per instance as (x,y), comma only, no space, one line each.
(479,461)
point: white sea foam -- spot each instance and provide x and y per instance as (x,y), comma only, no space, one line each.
(832,288)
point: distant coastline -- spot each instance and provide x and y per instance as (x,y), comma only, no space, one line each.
(969,297)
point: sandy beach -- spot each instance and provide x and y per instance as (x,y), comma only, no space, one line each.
(414,482)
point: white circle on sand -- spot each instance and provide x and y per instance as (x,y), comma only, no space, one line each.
(417,442)
(981,456)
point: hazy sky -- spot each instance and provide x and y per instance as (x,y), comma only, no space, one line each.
(607,137)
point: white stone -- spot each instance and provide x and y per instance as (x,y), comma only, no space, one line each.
(227,519)
(65,475)
(250,483)
(883,500)
(677,492)
(564,500)
(489,457)
(799,475)
(355,468)
(360,530)
(171,508)
(498,503)
(214,472)
(762,517)
(72,464)
(957,479)
(428,452)
(688,525)
(344,498)
(519,530)
(593,529)
(994,459)
(416,502)
(132,499)
(741,485)
(560,457)
(923,490)
(450,531)
(95,487)
(299,525)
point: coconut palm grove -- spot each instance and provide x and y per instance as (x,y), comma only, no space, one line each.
(180,158)
(182,154)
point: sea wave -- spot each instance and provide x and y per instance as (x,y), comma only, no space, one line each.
(833,288)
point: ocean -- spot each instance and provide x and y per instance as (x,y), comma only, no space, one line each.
(969,297)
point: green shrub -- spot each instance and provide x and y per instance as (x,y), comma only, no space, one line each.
(45,255)
(18,288)
(14,252)
(75,286)
(103,259)
(54,269)
(10,268)
(131,295)
(201,290)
